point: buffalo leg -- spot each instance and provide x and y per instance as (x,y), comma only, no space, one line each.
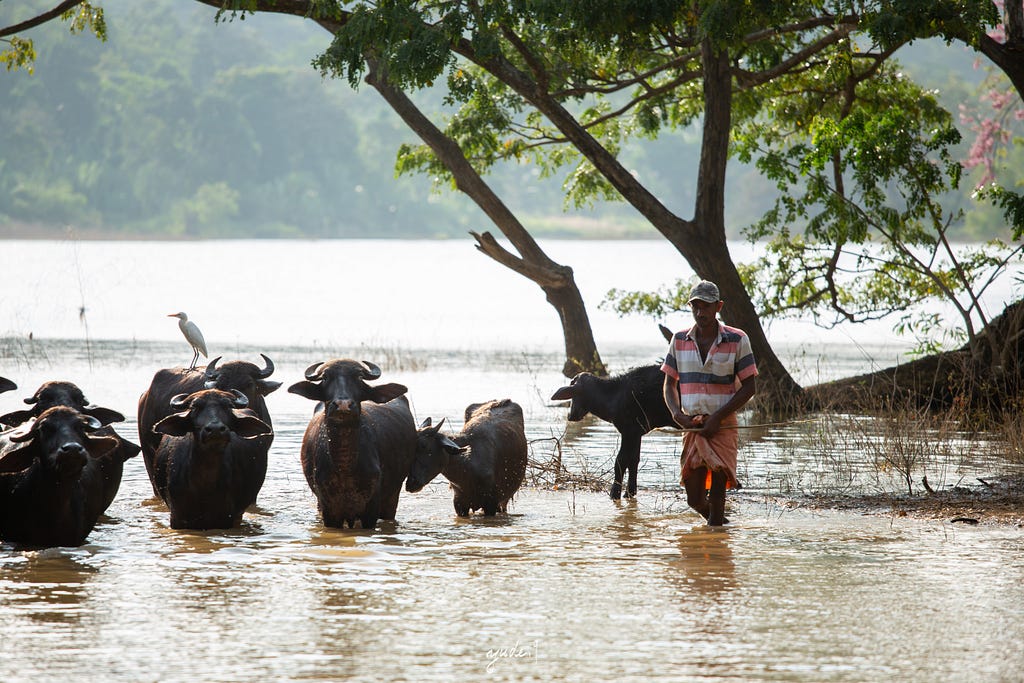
(626,464)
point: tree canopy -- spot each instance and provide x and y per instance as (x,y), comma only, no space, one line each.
(806,89)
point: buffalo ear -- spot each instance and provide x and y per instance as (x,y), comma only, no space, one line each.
(450,445)
(177,424)
(129,449)
(17,459)
(382,393)
(266,386)
(16,417)
(104,415)
(249,426)
(564,394)
(306,389)
(98,446)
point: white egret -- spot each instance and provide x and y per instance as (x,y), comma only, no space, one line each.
(192,335)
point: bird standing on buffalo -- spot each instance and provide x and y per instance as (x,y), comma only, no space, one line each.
(192,335)
(709,375)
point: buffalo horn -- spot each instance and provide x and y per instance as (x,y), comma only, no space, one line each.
(211,371)
(241,400)
(23,432)
(313,372)
(269,369)
(180,401)
(370,370)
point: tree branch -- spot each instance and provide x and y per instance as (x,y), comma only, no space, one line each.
(40,19)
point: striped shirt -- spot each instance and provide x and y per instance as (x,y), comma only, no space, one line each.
(706,386)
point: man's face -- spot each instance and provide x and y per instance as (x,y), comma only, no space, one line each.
(704,313)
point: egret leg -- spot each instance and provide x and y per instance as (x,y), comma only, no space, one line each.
(195,359)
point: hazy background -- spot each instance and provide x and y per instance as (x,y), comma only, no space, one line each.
(179,127)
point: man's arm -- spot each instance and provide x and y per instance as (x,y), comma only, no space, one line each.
(748,387)
(670,392)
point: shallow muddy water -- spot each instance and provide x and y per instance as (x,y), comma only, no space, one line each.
(569,586)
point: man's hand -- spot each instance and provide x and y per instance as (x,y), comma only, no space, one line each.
(689,421)
(711,424)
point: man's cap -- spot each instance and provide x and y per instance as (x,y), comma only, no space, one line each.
(705,291)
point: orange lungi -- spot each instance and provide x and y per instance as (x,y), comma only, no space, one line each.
(717,453)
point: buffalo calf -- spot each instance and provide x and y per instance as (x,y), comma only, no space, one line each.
(485,462)
(633,402)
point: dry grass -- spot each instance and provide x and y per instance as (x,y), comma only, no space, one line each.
(393,358)
(549,470)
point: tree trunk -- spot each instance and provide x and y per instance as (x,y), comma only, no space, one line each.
(707,249)
(701,242)
(953,380)
(554,279)
(1008,55)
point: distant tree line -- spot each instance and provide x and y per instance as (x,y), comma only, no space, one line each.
(175,127)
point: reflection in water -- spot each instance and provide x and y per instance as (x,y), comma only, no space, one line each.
(49,586)
(705,560)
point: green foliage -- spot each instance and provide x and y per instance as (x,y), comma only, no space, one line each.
(20,55)
(859,231)
(86,17)
(893,22)
(656,305)
(214,205)
(50,202)
(1009,202)
(130,135)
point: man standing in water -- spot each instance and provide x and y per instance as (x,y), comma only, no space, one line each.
(709,376)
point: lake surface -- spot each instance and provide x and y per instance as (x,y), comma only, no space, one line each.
(570,586)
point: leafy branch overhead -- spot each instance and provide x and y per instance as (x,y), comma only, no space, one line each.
(80,16)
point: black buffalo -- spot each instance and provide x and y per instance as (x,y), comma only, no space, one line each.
(51,478)
(633,402)
(485,462)
(208,467)
(247,378)
(359,444)
(60,393)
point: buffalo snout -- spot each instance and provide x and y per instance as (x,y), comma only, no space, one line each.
(71,459)
(342,408)
(214,432)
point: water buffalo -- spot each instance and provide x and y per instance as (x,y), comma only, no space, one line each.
(51,478)
(485,462)
(359,444)
(208,468)
(155,403)
(60,393)
(633,402)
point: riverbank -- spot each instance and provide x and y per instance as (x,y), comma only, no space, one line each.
(992,502)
